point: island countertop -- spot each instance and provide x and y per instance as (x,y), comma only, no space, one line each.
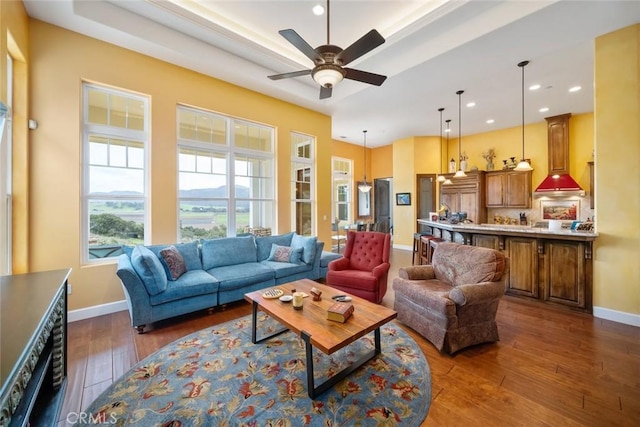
(511,230)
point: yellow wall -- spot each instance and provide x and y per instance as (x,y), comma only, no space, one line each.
(14,41)
(382,162)
(68,59)
(404,181)
(617,170)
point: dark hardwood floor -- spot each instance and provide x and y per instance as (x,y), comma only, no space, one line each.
(550,367)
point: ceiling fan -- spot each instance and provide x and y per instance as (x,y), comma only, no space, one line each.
(330,60)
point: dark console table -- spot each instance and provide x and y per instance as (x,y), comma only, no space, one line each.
(33,347)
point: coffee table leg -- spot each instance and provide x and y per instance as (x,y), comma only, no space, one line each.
(254,326)
(339,376)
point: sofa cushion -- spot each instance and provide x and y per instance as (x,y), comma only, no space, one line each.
(264,243)
(285,254)
(462,264)
(284,269)
(150,270)
(174,262)
(190,284)
(240,275)
(228,251)
(308,245)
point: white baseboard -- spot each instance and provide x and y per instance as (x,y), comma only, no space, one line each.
(96,310)
(403,247)
(617,316)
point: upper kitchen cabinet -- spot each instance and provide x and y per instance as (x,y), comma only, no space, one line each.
(466,195)
(558,140)
(508,189)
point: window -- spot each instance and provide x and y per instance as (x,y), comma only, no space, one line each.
(302,175)
(342,184)
(115,141)
(225,175)
(6,175)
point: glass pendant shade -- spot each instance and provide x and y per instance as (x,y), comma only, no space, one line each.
(365,187)
(441,177)
(460,173)
(447,182)
(523,166)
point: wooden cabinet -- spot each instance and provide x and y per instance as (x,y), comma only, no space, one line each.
(558,143)
(508,189)
(487,241)
(566,274)
(466,195)
(523,266)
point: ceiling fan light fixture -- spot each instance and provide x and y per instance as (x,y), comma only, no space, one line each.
(328,75)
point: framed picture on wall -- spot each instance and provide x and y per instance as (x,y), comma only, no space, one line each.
(403,199)
(560,210)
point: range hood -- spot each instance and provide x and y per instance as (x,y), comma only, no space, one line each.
(559,182)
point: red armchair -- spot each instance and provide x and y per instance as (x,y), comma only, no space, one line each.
(364,266)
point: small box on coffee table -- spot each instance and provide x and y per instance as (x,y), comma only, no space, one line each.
(340,311)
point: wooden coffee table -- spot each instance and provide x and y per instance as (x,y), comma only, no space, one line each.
(311,324)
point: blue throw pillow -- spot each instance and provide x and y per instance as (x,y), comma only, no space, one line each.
(150,270)
(308,245)
(284,254)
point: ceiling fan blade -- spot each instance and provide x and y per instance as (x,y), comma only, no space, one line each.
(363,45)
(325,92)
(291,74)
(364,76)
(295,39)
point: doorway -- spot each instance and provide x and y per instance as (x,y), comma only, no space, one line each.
(382,207)
(426,198)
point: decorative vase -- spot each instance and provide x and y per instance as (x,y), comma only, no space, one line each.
(452,166)
(463,165)
(490,166)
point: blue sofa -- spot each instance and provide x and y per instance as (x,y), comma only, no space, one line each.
(212,272)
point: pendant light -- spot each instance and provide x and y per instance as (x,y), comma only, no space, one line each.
(441,178)
(365,187)
(448,131)
(460,173)
(523,166)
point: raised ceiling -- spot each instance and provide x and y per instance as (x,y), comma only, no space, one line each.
(432,49)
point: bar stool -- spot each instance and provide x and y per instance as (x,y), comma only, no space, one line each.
(424,248)
(416,247)
(433,243)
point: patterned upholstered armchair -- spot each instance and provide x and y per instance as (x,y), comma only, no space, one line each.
(453,302)
(363,269)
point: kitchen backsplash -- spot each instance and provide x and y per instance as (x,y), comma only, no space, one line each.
(535,213)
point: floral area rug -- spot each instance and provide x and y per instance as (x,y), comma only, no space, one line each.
(218,377)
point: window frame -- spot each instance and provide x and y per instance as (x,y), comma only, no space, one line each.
(90,130)
(342,176)
(231,153)
(298,140)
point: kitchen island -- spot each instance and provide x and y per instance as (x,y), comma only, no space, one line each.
(548,266)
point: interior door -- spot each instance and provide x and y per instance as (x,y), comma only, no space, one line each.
(426,196)
(382,200)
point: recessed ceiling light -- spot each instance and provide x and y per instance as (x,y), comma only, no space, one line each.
(544,109)
(318,10)
(490,121)
(575,88)
(534,87)
(471,104)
